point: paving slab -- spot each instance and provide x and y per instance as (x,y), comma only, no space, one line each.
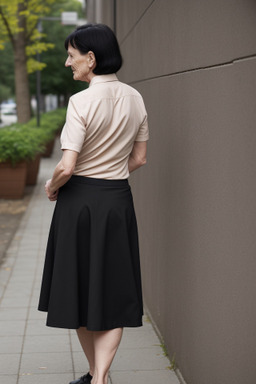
(12,327)
(147,377)
(44,344)
(80,363)
(8,379)
(54,378)
(11,344)
(46,362)
(140,359)
(17,313)
(37,327)
(9,363)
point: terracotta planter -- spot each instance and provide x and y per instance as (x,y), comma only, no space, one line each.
(12,180)
(49,148)
(32,170)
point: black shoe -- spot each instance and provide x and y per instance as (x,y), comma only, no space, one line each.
(86,379)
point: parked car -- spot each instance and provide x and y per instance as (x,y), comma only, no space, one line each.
(8,107)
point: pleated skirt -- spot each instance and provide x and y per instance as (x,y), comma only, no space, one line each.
(91,275)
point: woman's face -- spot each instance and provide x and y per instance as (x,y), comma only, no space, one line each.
(81,65)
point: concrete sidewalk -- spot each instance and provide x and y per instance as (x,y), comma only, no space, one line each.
(30,352)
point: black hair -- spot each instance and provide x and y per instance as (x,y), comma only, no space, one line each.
(101,40)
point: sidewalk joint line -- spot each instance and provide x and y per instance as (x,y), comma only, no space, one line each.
(71,352)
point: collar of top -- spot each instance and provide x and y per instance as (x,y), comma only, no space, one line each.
(103,79)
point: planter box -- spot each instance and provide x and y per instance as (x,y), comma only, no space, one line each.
(49,148)
(12,180)
(32,170)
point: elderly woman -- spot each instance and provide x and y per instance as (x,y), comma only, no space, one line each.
(91,280)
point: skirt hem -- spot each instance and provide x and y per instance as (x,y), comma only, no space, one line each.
(123,324)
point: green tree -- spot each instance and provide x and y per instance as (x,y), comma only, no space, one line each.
(18,24)
(7,68)
(5,93)
(55,78)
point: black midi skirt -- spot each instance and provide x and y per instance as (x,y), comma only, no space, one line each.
(92,274)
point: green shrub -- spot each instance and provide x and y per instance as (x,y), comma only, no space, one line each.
(19,144)
(50,123)
(22,142)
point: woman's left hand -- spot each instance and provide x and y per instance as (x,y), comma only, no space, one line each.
(52,195)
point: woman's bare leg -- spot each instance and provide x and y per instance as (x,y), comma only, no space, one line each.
(86,340)
(105,347)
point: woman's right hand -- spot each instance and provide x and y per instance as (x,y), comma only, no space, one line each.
(52,195)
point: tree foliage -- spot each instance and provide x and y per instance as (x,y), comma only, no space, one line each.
(7,67)
(18,24)
(19,30)
(11,13)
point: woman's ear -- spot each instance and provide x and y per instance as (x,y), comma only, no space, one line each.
(91,59)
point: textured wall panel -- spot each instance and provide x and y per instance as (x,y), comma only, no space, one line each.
(196,203)
(129,14)
(178,35)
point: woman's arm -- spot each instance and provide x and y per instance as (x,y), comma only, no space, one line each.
(138,155)
(62,173)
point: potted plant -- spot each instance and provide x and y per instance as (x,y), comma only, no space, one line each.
(51,124)
(20,148)
(18,145)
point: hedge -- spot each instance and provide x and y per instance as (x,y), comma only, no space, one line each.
(22,142)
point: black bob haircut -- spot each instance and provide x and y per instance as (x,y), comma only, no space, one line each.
(101,40)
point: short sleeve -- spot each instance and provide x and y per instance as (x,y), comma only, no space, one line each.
(74,130)
(143,133)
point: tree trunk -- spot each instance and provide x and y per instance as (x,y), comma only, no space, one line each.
(21,75)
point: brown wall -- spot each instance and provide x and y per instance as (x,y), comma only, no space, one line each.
(195,65)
